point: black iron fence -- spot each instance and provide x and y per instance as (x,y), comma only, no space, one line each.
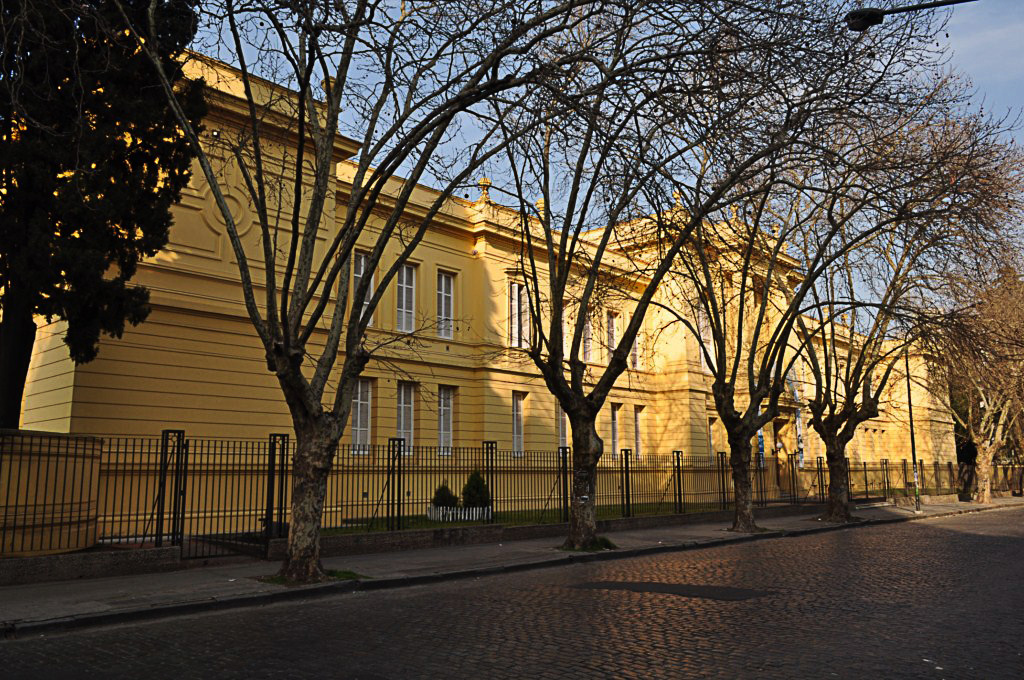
(876,480)
(213,496)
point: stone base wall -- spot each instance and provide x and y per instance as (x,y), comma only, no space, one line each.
(94,564)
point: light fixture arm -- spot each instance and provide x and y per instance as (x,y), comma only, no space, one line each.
(860,20)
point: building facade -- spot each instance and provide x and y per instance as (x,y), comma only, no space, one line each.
(453,372)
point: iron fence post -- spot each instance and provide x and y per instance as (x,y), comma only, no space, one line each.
(390,504)
(722,479)
(268,518)
(161,490)
(864,463)
(400,485)
(626,453)
(762,494)
(180,453)
(282,478)
(563,479)
(794,478)
(170,445)
(885,476)
(490,451)
(821,480)
(849,486)
(677,461)
(622,486)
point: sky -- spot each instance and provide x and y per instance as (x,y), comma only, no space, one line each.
(986,40)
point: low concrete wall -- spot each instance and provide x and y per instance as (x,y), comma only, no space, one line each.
(91,564)
(942,499)
(390,541)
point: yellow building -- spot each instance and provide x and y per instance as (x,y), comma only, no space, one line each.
(197,365)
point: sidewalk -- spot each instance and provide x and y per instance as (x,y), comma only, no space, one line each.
(48,607)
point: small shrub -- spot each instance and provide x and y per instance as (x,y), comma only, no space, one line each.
(475,493)
(444,498)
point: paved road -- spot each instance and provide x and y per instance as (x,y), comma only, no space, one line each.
(936,599)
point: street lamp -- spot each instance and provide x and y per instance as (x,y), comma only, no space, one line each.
(913,444)
(860,20)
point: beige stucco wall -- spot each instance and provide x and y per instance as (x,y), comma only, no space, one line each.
(196,363)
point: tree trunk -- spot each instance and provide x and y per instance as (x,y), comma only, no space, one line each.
(586,451)
(739,460)
(983,469)
(314,451)
(17,335)
(837,504)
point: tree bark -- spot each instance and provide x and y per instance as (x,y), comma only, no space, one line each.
(314,450)
(739,460)
(17,335)
(587,447)
(837,504)
(983,469)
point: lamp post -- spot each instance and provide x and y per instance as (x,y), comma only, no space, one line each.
(913,445)
(860,20)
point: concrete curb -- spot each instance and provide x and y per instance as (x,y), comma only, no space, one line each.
(11,630)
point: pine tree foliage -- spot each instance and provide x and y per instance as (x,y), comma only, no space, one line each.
(91,161)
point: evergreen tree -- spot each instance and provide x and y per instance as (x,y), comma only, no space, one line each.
(91,161)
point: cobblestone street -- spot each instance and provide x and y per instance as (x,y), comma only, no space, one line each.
(941,598)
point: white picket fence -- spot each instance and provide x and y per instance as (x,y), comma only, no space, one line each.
(436,514)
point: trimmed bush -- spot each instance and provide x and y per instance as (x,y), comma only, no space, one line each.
(475,493)
(444,498)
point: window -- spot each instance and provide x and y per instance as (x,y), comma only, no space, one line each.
(445,406)
(706,339)
(634,353)
(612,339)
(406,298)
(518,316)
(638,413)
(361,404)
(563,426)
(615,431)
(445,307)
(517,421)
(588,340)
(360,267)
(406,413)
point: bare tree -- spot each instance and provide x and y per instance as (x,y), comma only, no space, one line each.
(978,359)
(933,198)
(749,278)
(645,153)
(584,158)
(408,82)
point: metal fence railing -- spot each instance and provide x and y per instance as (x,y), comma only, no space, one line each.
(214,496)
(48,492)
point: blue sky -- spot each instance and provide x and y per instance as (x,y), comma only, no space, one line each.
(986,40)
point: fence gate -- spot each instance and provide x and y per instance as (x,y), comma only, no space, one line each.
(217,497)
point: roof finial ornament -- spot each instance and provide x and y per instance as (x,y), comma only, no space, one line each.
(677,196)
(484,184)
(541,205)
